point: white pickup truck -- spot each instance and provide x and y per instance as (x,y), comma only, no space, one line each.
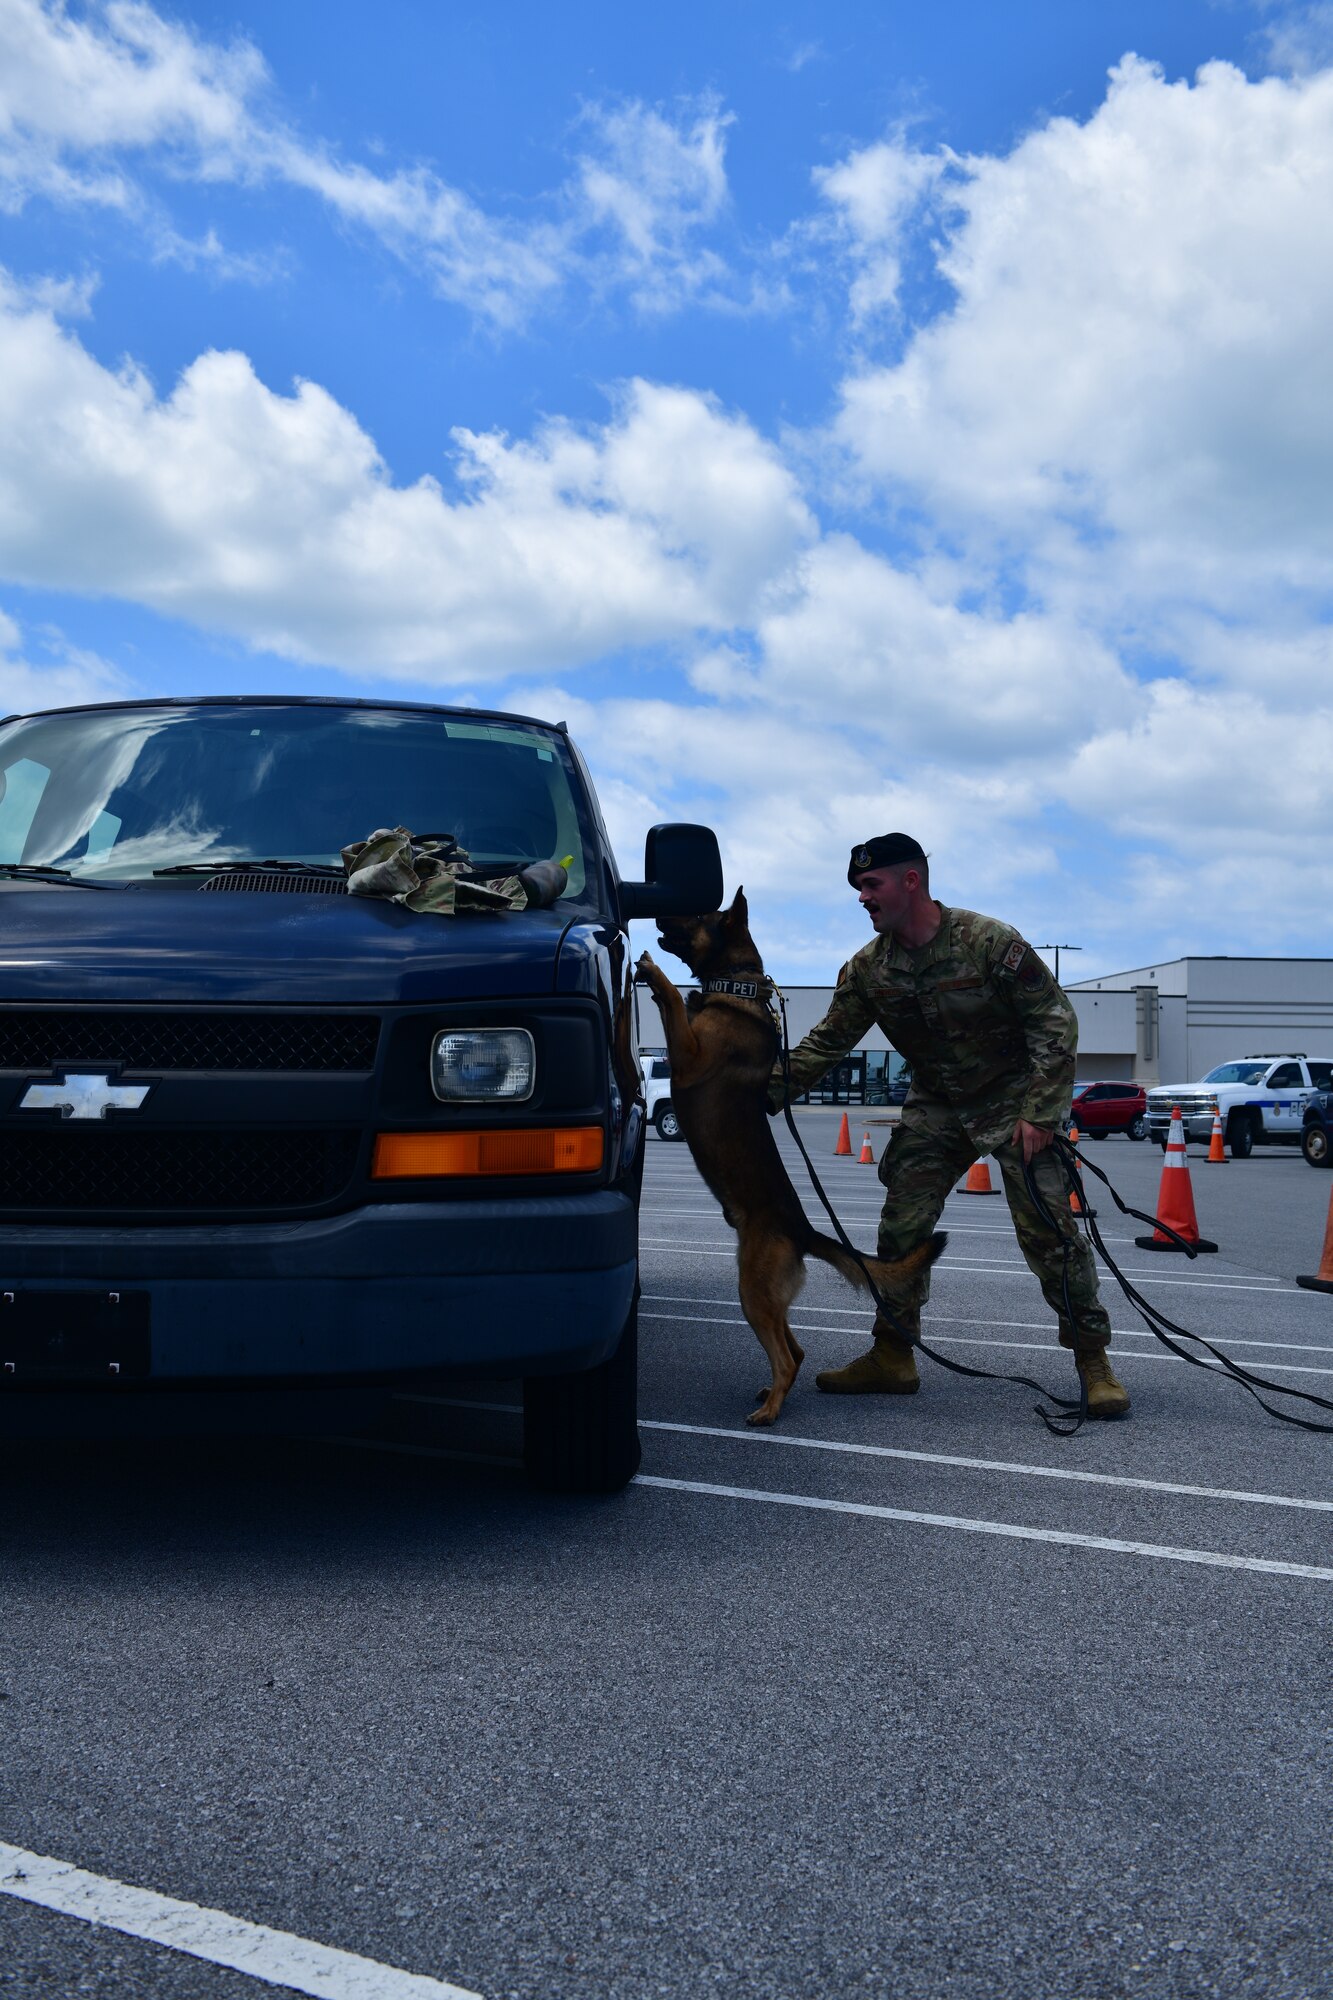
(1261,1099)
(657,1093)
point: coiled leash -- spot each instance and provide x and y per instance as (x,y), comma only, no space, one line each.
(1074,1408)
(1164,1329)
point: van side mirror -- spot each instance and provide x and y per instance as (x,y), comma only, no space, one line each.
(683,874)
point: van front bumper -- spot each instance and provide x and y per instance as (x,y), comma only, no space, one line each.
(534,1285)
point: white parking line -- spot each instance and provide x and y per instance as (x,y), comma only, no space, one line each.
(1271,1288)
(987,1465)
(971,1340)
(981,1262)
(276,1957)
(1161,1552)
(749,1436)
(852,1318)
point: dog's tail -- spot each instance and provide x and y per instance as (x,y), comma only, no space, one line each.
(865,1271)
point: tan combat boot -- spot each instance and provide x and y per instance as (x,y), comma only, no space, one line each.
(1106,1396)
(889,1369)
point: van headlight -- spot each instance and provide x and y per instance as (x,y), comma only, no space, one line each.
(483,1065)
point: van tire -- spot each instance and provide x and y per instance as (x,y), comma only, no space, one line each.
(666,1121)
(1240,1135)
(581,1431)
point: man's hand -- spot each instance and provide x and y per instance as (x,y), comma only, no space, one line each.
(1032,1139)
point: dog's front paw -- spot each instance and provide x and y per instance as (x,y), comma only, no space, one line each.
(647,966)
(766,1414)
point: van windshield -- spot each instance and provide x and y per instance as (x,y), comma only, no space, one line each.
(1237,1072)
(114,794)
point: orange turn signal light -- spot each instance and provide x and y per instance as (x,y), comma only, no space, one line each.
(543,1149)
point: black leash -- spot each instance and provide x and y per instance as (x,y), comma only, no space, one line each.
(1166,1330)
(1075,1408)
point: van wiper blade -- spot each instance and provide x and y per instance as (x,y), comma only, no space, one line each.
(251,868)
(31,871)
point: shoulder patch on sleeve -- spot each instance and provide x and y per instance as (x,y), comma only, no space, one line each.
(1015,955)
(843,971)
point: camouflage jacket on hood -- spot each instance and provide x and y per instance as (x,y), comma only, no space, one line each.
(975,1012)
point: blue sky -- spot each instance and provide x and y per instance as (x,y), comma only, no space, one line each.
(850,417)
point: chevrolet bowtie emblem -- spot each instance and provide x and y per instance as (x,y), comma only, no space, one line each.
(80,1095)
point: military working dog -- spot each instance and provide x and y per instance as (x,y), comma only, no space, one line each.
(723,1045)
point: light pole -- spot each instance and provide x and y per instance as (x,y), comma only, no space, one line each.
(1057,949)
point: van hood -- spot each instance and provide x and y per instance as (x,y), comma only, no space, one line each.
(80,947)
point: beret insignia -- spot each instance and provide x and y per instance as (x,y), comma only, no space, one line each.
(886,850)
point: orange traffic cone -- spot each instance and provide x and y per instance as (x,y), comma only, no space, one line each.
(867,1158)
(1175,1197)
(978,1180)
(844,1145)
(1077,1207)
(1217,1152)
(1323,1280)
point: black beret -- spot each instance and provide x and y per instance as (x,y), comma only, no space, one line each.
(885,851)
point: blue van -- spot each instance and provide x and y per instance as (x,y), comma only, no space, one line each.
(261,1135)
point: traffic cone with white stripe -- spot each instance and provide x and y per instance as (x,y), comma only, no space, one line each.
(1175,1197)
(978,1179)
(1077,1205)
(1323,1278)
(1217,1151)
(867,1158)
(843,1149)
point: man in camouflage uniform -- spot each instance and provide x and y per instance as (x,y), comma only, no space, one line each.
(991,1040)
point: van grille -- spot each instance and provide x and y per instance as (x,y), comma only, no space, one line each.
(60,1169)
(34,1038)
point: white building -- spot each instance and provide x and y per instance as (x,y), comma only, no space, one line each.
(1172,1022)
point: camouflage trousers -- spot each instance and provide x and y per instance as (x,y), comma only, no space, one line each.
(926,1157)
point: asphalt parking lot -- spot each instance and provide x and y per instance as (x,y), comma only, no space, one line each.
(903,1697)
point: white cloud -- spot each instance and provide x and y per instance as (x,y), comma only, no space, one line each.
(1133,383)
(656,185)
(1173,774)
(927,676)
(273,519)
(48,672)
(875,195)
(104,107)
(1299,38)
(1121,422)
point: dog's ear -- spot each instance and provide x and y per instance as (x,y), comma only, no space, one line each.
(739,914)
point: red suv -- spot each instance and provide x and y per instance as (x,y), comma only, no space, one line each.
(1099,1108)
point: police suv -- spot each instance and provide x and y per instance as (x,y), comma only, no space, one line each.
(264,1141)
(1261,1099)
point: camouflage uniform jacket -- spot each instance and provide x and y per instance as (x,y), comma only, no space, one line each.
(975,1012)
